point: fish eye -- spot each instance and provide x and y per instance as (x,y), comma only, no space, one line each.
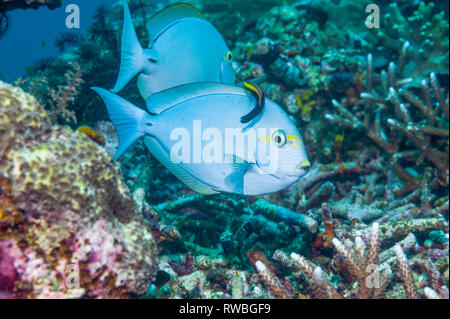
(229,56)
(279,138)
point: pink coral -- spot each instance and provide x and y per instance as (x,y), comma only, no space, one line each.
(9,252)
(69,229)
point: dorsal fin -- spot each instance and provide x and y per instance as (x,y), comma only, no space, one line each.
(166,17)
(163,100)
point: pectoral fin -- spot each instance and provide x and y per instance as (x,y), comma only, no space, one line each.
(235,180)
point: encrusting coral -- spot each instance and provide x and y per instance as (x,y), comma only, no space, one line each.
(65,212)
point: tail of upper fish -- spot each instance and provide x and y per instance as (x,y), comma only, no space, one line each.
(129,120)
(134,58)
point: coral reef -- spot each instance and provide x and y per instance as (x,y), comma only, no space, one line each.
(425,30)
(57,101)
(369,220)
(300,60)
(232,17)
(386,119)
(68,225)
(361,259)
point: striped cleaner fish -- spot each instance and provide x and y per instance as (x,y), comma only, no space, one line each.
(210,136)
(183,48)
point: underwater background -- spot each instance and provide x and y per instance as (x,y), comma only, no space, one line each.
(369,220)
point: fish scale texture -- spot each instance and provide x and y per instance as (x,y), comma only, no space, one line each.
(64,206)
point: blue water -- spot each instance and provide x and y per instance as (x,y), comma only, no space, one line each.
(31,36)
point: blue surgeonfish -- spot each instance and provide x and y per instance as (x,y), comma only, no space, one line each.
(215,137)
(183,48)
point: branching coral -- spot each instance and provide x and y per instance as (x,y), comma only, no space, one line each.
(373,270)
(427,33)
(403,125)
(271,281)
(372,280)
(362,262)
(65,94)
(59,100)
(405,272)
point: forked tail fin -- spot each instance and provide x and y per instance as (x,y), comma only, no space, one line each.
(133,58)
(128,119)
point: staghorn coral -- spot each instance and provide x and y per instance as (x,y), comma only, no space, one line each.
(65,206)
(393,230)
(360,260)
(271,281)
(425,30)
(403,125)
(303,60)
(405,272)
(373,268)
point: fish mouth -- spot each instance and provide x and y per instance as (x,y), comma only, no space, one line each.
(304,165)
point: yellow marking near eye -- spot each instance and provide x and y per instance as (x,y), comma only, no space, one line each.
(304,164)
(292,143)
(293,137)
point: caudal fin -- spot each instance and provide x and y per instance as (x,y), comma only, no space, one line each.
(127,119)
(133,58)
